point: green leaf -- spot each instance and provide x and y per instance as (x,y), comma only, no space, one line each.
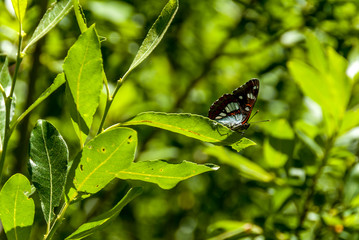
(350,120)
(101,159)
(155,34)
(311,144)
(232,229)
(48,165)
(17,211)
(164,174)
(83,71)
(102,221)
(5,81)
(270,153)
(246,168)
(327,69)
(59,80)
(191,125)
(51,18)
(351,190)
(20,9)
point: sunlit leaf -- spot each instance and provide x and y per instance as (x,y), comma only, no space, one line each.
(101,159)
(20,9)
(155,34)
(48,165)
(51,18)
(327,69)
(350,120)
(164,174)
(246,168)
(17,211)
(231,229)
(83,70)
(102,221)
(192,125)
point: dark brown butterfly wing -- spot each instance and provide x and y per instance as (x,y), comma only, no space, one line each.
(233,110)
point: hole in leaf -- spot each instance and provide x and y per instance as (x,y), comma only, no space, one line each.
(103,150)
(129,140)
(96,185)
(81,167)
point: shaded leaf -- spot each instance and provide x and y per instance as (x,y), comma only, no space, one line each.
(48,165)
(59,80)
(17,211)
(5,81)
(101,159)
(155,34)
(164,174)
(311,144)
(83,70)
(191,125)
(20,9)
(246,168)
(102,221)
(351,190)
(51,18)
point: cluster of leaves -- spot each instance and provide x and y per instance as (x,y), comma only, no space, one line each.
(299,182)
(109,154)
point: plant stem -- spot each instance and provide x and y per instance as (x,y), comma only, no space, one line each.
(8,101)
(57,222)
(79,17)
(311,192)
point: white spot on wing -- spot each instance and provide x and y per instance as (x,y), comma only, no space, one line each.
(251,96)
(240,97)
(247,109)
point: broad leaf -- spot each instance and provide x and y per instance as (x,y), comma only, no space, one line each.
(83,70)
(17,211)
(51,18)
(5,81)
(59,80)
(48,165)
(20,9)
(101,159)
(102,221)
(155,34)
(164,174)
(246,168)
(194,126)
(327,70)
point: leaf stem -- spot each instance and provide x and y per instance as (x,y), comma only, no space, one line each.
(109,102)
(8,101)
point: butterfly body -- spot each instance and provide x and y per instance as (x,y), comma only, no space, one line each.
(233,110)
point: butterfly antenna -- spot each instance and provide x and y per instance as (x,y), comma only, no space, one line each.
(253,115)
(257,121)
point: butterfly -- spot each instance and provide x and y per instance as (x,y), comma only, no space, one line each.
(233,110)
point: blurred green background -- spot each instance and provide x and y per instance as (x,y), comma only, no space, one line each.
(211,48)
